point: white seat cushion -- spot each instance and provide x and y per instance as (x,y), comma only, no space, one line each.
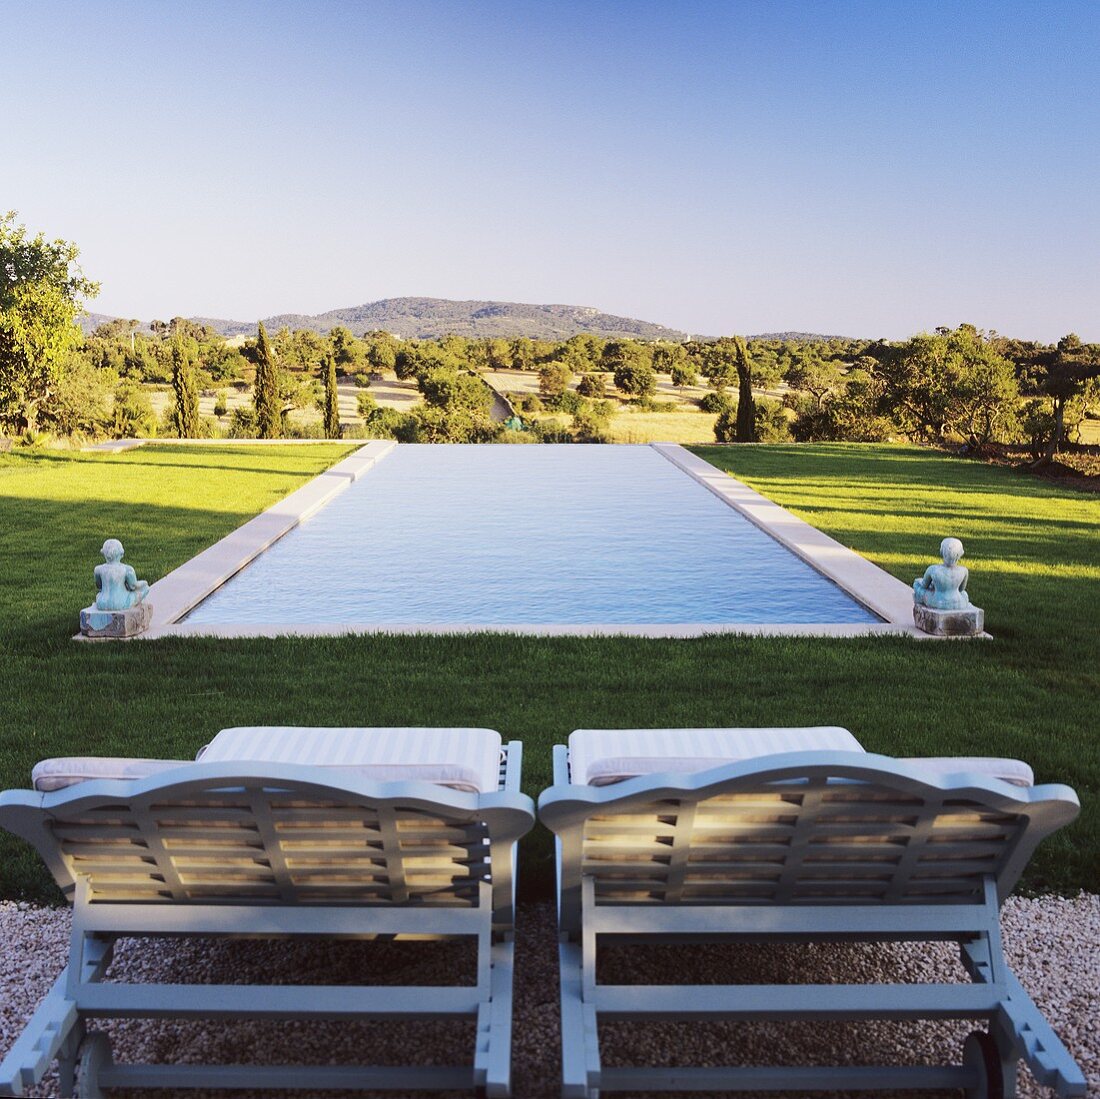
(598,757)
(464,759)
(1014,771)
(56,774)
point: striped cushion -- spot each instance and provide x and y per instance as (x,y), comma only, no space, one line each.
(56,774)
(598,757)
(1014,771)
(464,759)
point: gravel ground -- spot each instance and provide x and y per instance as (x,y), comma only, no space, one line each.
(1053,944)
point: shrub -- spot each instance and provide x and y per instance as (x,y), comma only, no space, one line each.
(725,427)
(221,403)
(366,404)
(530,402)
(771,421)
(384,423)
(717,402)
(132,415)
(570,401)
(242,423)
(552,431)
(648,404)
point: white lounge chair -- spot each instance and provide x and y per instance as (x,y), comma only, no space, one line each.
(801,845)
(388,832)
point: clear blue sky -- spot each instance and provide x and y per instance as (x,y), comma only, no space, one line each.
(869,169)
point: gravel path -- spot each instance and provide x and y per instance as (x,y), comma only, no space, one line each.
(1053,944)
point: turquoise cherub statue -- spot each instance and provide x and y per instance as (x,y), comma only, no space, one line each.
(943,587)
(117,586)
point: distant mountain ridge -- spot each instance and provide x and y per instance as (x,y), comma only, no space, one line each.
(429,318)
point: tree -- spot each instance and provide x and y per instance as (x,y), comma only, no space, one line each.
(267,396)
(1060,373)
(347,350)
(554,379)
(331,400)
(952,381)
(592,385)
(42,292)
(684,374)
(188,422)
(630,364)
(811,374)
(746,410)
(672,359)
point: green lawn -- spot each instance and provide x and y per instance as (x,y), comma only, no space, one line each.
(1033,550)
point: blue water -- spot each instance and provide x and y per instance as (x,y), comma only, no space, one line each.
(496,535)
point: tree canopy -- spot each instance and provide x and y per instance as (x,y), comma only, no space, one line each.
(42,292)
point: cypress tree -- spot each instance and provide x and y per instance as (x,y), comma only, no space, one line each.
(188,423)
(746,408)
(265,394)
(332,407)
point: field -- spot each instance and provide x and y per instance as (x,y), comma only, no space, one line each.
(1032,546)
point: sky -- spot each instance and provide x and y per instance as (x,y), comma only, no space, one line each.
(867,169)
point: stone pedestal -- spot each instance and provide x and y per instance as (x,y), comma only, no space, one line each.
(127,623)
(964,623)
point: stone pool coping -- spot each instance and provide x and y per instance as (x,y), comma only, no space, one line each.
(184,588)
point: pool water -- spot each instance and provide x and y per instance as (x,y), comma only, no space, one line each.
(532,534)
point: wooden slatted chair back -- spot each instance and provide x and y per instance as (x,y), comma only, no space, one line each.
(819,828)
(256,834)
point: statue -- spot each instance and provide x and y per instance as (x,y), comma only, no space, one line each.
(943,587)
(117,586)
(941,605)
(120,608)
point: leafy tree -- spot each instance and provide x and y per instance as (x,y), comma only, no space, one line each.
(813,375)
(347,350)
(186,418)
(592,385)
(331,400)
(381,351)
(554,379)
(523,354)
(684,374)
(631,367)
(498,353)
(1061,374)
(267,396)
(672,359)
(42,292)
(366,404)
(952,381)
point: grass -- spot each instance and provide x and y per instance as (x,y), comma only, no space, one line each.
(1034,553)
(662,427)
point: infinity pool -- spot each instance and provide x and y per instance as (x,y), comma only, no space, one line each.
(497,535)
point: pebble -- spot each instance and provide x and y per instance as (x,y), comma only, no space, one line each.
(1052,943)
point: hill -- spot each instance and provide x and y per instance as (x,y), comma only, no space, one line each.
(797,337)
(427,318)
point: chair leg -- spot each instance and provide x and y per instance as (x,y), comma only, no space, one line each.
(93,1056)
(580,1051)
(498,1021)
(67,1056)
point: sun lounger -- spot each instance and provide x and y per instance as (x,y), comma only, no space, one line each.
(802,845)
(387,832)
